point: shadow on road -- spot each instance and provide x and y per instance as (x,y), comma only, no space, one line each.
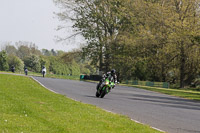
(95,97)
(167,101)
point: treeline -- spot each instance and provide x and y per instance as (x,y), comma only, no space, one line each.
(27,54)
(155,40)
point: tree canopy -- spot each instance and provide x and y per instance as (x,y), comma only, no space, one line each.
(154,40)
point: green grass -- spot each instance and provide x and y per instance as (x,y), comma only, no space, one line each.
(63,76)
(47,75)
(54,76)
(27,107)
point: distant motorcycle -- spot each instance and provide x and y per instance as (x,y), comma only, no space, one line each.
(104,88)
(43,71)
(13,69)
(26,71)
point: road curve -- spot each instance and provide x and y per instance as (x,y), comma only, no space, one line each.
(168,113)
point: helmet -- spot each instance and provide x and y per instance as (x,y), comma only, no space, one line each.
(113,71)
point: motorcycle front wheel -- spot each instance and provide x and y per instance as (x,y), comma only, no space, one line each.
(104,92)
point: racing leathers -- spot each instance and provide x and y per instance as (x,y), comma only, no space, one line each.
(112,77)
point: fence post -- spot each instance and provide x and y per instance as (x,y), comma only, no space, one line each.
(149,83)
(135,82)
(81,76)
(165,85)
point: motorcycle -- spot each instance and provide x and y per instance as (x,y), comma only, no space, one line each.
(43,73)
(26,71)
(104,88)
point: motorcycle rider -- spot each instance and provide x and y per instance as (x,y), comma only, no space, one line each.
(26,70)
(43,70)
(13,68)
(112,77)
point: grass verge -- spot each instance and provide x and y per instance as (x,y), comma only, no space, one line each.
(25,106)
(55,76)
(47,75)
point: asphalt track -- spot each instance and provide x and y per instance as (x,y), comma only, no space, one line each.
(168,113)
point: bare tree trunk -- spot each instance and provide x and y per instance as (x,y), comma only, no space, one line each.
(182,66)
(101,58)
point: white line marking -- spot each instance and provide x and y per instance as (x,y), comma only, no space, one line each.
(43,85)
(108,111)
(137,122)
(51,90)
(158,129)
(150,126)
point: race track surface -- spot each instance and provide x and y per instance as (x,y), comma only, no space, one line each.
(168,113)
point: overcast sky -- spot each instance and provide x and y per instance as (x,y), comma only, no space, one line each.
(32,21)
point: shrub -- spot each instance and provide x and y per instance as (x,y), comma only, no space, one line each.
(3,61)
(17,62)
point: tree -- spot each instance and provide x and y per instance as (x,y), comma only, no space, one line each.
(75,69)
(74,58)
(155,40)
(46,52)
(34,49)
(58,66)
(44,61)
(100,23)
(167,32)
(53,52)
(10,49)
(69,57)
(27,49)
(152,38)
(3,61)
(33,63)
(23,51)
(182,21)
(186,27)
(60,52)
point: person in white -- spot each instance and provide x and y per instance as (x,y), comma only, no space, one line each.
(44,71)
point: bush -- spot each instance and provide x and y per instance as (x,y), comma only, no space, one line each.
(196,83)
(33,63)
(75,69)
(3,61)
(17,62)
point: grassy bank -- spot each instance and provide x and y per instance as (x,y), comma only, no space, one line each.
(25,106)
(47,75)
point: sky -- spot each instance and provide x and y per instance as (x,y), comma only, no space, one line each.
(33,21)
